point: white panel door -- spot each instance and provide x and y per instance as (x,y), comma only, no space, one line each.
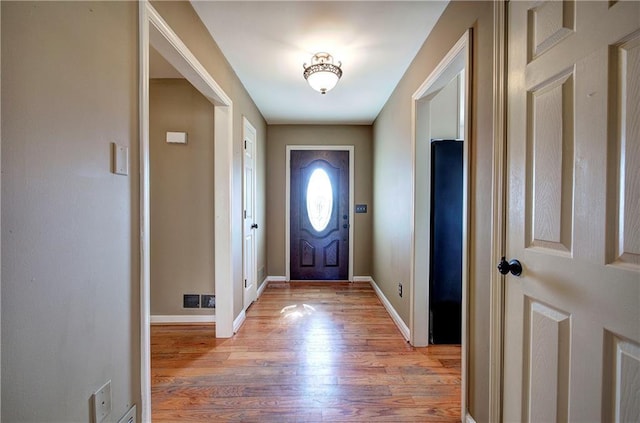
(572,320)
(250,225)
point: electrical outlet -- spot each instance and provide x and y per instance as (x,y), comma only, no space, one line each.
(400,289)
(130,417)
(102,403)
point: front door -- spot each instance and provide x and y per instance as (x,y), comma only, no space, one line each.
(319,204)
(572,320)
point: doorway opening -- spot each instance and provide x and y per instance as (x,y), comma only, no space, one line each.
(156,33)
(441,142)
(319,212)
(181,228)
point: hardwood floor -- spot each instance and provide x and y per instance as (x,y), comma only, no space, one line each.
(306,353)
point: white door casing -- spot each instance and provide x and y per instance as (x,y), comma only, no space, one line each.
(572,320)
(154,31)
(250,225)
(457,60)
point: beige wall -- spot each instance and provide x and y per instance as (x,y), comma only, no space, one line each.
(181,180)
(391,262)
(69,225)
(279,136)
(186,23)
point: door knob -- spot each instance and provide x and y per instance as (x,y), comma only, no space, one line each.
(254,226)
(512,266)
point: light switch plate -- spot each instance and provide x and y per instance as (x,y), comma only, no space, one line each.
(102,403)
(120,159)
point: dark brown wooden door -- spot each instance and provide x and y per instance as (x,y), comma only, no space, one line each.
(319,233)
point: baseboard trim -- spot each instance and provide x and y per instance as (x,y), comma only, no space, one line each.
(362,279)
(237,323)
(276,279)
(262,287)
(469,419)
(404,329)
(194,318)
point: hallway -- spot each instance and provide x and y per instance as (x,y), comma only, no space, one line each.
(307,352)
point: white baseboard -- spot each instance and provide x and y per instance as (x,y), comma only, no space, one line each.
(469,419)
(362,279)
(262,287)
(193,318)
(404,329)
(276,279)
(239,321)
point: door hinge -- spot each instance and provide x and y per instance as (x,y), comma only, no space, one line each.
(245,214)
(245,283)
(245,144)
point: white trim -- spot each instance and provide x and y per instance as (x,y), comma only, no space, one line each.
(262,287)
(469,419)
(275,279)
(419,292)
(238,321)
(0,229)
(153,30)
(466,212)
(193,318)
(498,205)
(404,329)
(287,235)
(145,241)
(362,279)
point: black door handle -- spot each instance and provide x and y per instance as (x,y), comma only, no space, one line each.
(512,266)
(254,226)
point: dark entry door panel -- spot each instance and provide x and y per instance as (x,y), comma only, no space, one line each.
(319,232)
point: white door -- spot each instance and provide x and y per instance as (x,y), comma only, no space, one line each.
(250,225)
(572,320)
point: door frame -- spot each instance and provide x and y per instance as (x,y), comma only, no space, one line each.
(247,127)
(458,57)
(287,228)
(154,30)
(499,209)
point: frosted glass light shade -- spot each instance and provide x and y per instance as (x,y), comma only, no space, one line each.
(322,75)
(323,81)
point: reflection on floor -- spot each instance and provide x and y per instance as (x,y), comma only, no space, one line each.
(308,352)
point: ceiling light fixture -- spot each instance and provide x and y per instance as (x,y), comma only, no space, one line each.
(322,74)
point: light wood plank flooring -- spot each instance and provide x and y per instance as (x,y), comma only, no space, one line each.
(308,352)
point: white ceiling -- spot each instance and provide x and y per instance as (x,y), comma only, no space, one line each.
(267,42)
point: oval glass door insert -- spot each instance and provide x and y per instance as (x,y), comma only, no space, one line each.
(319,199)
